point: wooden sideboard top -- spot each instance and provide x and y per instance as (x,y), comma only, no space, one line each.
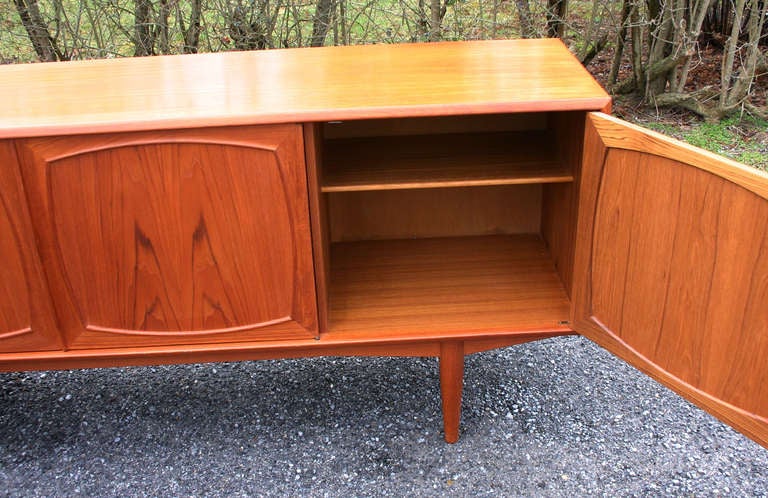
(294,85)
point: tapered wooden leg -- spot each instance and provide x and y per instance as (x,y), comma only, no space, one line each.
(451,384)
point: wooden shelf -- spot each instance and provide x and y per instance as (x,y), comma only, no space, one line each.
(449,160)
(444,286)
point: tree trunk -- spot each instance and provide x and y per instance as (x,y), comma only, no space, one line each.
(37,30)
(594,49)
(143,37)
(591,47)
(526,22)
(436,14)
(621,39)
(161,27)
(248,33)
(734,90)
(726,68)
(677,79)
(690,102)
(660,43)
(671,43)
(636,32)
(691,37)
(343,22)
(321,22)
(557,10)
(192,33)
(654,16)
(746,75)
(422,33)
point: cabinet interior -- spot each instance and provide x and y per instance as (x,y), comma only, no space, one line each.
(452,224)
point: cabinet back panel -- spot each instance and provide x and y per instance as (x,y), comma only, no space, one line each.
(433,126)
(438,212)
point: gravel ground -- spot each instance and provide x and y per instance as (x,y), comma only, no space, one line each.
(555,418)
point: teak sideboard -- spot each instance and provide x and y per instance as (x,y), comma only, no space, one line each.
(415,200)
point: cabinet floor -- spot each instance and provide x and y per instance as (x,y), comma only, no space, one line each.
(444,287)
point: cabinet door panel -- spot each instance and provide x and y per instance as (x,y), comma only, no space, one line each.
(176,237)
(26,316)
(672,267)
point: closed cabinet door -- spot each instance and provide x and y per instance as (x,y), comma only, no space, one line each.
(672,268)
(179,237)
(26,317)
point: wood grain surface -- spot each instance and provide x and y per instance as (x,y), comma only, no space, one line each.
(435,125)
(673,268)
(27,321)
(451,386)
(318,214)
(446,286)
(434,212)
(450,160)
(327,345)
(175,237)
(293,86)
(560,201)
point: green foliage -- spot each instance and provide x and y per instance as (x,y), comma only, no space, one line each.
(743,139)
(756,158)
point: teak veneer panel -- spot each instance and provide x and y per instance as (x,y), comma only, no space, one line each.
(27,321)
(294,86)
(673,276)
(318,214)
(450,160)
(560,201)
(445,286)
(434,212)
(175,237)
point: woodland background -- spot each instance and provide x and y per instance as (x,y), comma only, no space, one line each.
(671,64)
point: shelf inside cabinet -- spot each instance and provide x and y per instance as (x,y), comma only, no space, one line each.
(442,160)
(451,285)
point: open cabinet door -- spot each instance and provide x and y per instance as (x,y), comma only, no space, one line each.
(672,268)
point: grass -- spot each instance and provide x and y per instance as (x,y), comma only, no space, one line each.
(744,139)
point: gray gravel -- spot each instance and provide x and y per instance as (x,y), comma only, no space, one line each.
(554,418)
